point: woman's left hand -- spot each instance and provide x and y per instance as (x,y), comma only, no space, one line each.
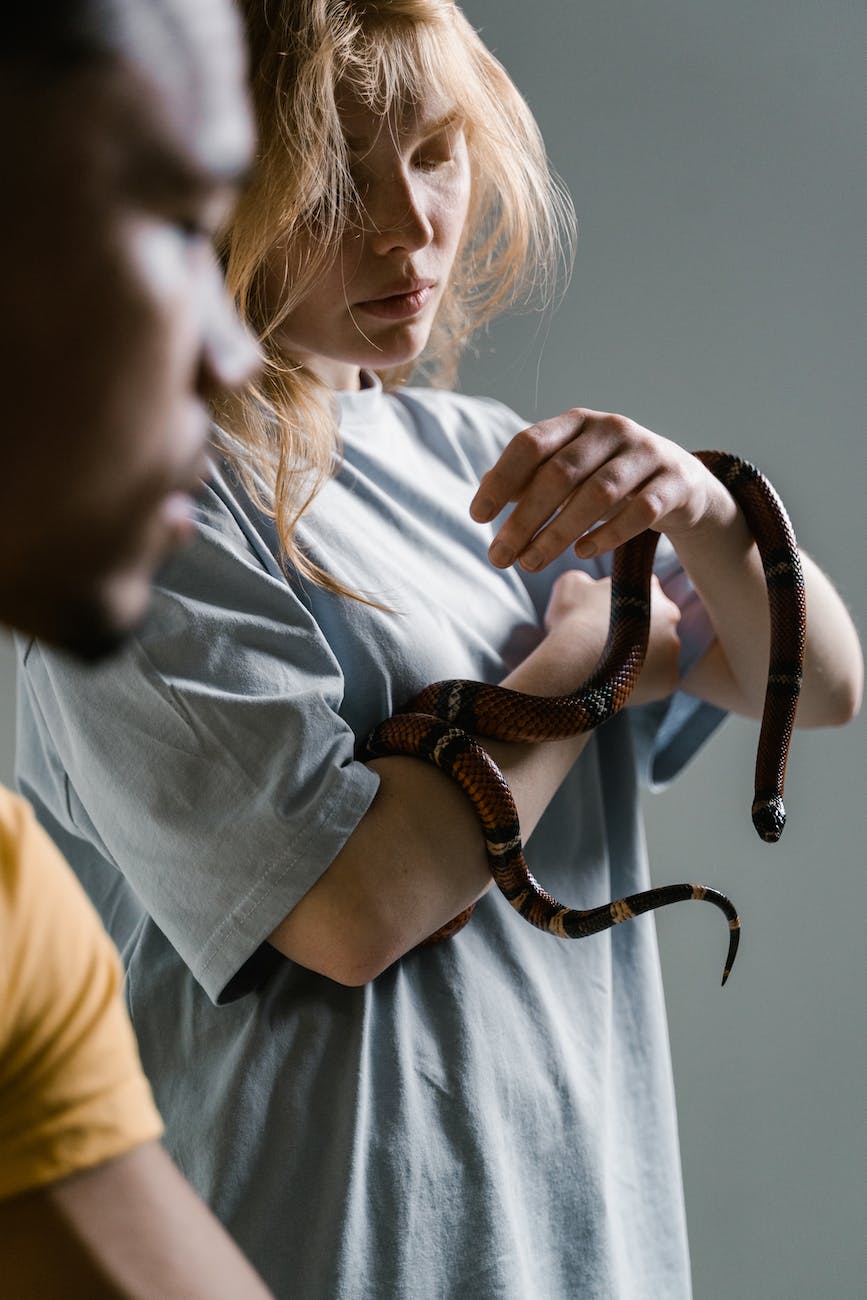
(593,479)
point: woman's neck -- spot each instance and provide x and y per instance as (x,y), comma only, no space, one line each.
(340,376)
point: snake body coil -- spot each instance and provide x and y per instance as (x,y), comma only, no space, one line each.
(440,722)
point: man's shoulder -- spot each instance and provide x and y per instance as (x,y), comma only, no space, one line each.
(40,897)
(72,1092)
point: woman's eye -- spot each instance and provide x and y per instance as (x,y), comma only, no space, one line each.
(439,150)
(433,159)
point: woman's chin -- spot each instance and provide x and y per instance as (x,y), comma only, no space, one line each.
(403,348)
(392,361)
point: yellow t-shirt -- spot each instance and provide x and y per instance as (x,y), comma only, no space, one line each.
(72,1090)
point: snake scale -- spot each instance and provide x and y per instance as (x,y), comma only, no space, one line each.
(441,722)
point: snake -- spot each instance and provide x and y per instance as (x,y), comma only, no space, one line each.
(445,722)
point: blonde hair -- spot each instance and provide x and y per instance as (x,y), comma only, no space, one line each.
(281,433)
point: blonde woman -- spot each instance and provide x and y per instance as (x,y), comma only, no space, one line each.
(491,1116)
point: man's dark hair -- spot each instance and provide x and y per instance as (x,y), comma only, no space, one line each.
(51,38)
(59,34)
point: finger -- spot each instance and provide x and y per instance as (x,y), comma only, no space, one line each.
(645,509)
(553,488)
(599,499)
(527,451)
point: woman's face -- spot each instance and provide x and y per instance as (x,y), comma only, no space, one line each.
(375,305)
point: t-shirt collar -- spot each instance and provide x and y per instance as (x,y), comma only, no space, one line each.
(360,405)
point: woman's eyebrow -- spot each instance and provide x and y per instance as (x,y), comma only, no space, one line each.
(455,117)
(421,127)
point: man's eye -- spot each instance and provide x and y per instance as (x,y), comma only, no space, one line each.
(193,231)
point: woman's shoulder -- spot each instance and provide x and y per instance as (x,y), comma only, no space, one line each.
(228,519)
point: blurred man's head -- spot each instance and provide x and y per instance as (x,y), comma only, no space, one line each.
(125,134)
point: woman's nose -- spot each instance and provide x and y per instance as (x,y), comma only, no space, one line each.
(397,218)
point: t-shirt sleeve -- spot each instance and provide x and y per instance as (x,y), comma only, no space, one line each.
(72,1091)
(208,761)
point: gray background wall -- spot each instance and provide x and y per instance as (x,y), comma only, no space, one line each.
(714,153)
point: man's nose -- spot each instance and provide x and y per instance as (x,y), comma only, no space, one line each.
(230,355)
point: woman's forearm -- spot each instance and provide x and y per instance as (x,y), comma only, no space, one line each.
(726,570)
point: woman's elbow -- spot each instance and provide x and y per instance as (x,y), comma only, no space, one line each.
(850,685)
(836,702)
(353,968)
(847,701)
(345,950)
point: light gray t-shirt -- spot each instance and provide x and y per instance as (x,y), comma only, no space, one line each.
(490,1119)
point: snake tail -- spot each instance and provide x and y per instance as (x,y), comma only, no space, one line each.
(577,924)
(471,767)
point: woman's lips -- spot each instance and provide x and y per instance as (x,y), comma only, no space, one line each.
(398,306)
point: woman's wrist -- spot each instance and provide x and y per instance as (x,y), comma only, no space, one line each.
(562,661)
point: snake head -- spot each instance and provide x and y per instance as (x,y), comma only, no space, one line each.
(769,817)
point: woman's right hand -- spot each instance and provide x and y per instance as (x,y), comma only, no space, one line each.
(577,619)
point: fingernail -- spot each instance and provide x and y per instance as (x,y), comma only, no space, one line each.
(586,549)
(501,555)
(483,509)
(532,559)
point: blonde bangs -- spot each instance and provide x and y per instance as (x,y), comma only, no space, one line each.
(401,51)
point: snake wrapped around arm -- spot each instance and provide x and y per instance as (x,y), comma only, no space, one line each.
(440,723)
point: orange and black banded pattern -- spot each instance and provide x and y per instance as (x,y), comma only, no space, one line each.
(440,723)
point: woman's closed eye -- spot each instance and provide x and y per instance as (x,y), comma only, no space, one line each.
(435,154)
(439,150)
